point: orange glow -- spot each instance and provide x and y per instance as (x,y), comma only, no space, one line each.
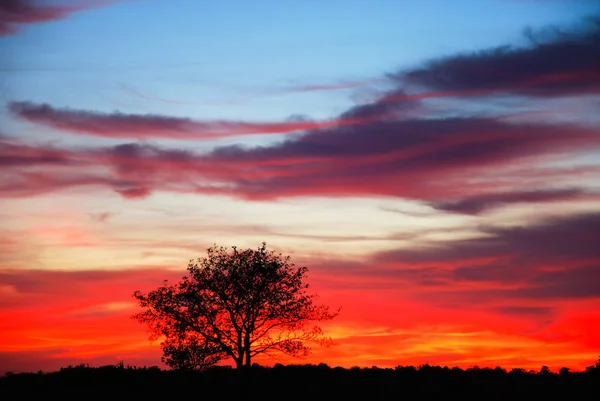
(376,327)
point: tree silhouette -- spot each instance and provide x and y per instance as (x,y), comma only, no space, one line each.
(235,304)
(189,351)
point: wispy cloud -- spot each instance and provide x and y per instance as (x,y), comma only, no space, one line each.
(338,86)
(551,260)
(381,148)
(147,96)
(101,217)
(481,203)
(342,161)
(122,125)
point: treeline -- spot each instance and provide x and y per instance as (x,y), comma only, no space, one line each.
(302,382)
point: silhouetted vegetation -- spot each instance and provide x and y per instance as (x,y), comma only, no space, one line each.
(233,305)
(303,382)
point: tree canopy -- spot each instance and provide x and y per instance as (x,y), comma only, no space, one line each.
(236,304)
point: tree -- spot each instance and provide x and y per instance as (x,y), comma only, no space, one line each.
(564,372)
(594,369)
(189,351)
(235,304)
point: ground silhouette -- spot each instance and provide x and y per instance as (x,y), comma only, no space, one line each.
(303,382)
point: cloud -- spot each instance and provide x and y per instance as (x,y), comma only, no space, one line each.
(80,316)
(339,86)
(132,170)
(382,148)
(101,217)
(25,287)
(555,241)
(147,126)
(580,282)
(146,96)
(386,158)
(482,203)
(14,153)
(418,159)
(92,309)
(385,147)
(15,13)
(554,259)
(525,310)
(507,268)
(557,62)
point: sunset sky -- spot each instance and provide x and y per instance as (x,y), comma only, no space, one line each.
(435,165)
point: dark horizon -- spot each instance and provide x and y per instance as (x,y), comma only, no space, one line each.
(592,367)
(297,382)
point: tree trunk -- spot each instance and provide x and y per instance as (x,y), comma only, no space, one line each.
(239,363)
(248,358)
(247,349)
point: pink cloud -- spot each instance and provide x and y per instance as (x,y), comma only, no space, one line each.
(121,125)
(15,13)
(391,161)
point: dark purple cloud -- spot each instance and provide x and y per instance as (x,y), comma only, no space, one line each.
(579,282)
(553,242)
(557,258)
(525,270)
(556,63)
(417,158)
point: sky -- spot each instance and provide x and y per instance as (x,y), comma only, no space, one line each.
(433,163)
